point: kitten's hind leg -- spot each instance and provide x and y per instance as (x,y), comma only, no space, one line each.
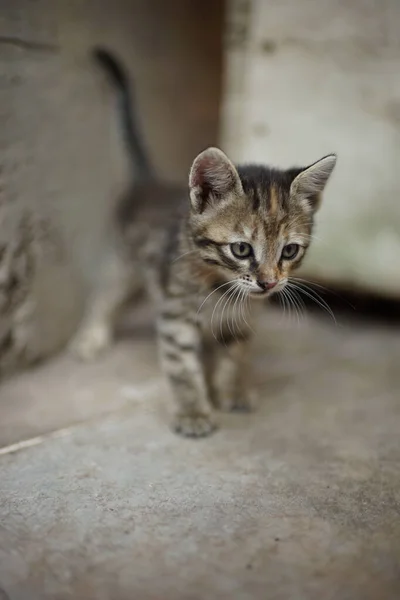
(118,281)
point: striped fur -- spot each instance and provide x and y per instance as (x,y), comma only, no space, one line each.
(184,251)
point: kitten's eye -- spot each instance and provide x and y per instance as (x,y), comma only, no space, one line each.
(241,249)
(290,251)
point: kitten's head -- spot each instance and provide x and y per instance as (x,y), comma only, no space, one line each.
(253,224)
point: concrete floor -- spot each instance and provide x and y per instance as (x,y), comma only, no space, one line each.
(298,501)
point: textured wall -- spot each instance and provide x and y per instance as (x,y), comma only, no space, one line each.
(307,77)
(62,160)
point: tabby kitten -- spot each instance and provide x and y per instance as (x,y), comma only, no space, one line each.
(238,236)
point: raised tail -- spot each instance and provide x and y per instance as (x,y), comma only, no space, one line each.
(142,166)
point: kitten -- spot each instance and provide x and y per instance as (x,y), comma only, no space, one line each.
(235,235)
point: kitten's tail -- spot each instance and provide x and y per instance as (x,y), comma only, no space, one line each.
(142,166)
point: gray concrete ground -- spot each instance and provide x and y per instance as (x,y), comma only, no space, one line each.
(299,500)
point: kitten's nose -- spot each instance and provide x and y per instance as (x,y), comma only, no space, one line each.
(266,285)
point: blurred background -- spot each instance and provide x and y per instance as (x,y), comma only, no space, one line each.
(306,78)
(280,82)
(93,486)
(64,163)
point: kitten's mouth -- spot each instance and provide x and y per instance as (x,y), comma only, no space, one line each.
(259,293)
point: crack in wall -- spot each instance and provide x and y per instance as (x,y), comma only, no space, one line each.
(29,45)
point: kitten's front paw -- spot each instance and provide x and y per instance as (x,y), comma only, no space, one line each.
(90,343)
(241,404)
(194,425)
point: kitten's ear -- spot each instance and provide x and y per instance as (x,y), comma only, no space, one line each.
(212,176)
(310,183)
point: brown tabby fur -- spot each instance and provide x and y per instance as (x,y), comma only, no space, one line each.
(182,249)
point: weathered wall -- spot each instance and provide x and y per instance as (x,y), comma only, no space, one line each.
(62,160)
(307,77)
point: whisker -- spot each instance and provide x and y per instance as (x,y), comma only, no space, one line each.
(240,315)
(184,254)
(246,306)
(287,303)
(312,294)
(280,298)
(231,303)
(228,301)
(213,292)
(215,307)
(298,304)
(298,298)
(321,287)
(243,295)
(282,302)
(306,282)
(289,294)
(234,313)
